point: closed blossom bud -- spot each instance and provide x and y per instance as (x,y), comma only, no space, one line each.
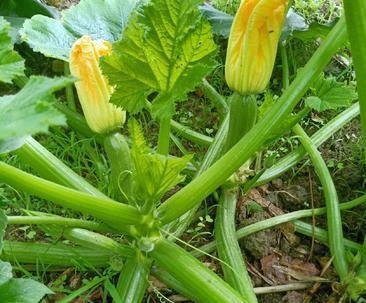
(253,44)
(92,86)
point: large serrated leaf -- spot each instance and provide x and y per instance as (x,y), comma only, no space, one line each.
(100,19)
(330,94)
(23,291)
(30,111)
(11,64)
(166,49)
(153,174)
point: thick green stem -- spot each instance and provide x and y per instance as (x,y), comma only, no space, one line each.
(334,219)
(318,138)
(190,135)
(233,266)
(203,283)
(111,212)
(217,174)
(275,221)
(355,11)
(54,254)
(56,220)
(213,153)
(94,240)
(164,138)
(120,163)
(218,100)
(322,235)
(134,278)
(53,169)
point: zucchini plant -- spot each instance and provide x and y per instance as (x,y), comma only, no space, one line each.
(131,57)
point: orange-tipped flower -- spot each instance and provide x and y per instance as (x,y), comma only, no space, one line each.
(93,89)
(253,44)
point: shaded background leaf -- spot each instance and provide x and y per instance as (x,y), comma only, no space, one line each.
(100,19)
(11,64)
(31,111)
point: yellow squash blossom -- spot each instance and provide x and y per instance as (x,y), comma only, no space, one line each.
(93,89)
(253,44)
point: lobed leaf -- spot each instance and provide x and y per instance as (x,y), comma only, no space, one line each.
(167,49)
(23,290)
(30,111)
(100,19)
(153,174)
(330,94)
(11,64)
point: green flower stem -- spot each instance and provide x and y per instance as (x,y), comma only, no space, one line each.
(355,11)
(134,278)
(334,219)
(51,220)
(111,212)
(218,100)
(218,173)
(120,162)
(70,96)
(233,266)
(53,169)
(318,138)
(164,138)
(275,221)
(190,135)
(45,254)
(203,284)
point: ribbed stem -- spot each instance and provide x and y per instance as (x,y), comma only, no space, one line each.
(203,284)
(318,138)
(134,278)
(334,219)
(119,159)
(53,169)
(217,174)
(111,212)
(233,266)
(164,138)
(275,221)
(355,11)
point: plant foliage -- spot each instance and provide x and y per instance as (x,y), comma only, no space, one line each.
(11,63)
(167,49)
(100,19)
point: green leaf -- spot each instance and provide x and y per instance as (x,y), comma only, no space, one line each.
(153,174)
(294,22)
(3,223)
(167,49)
(26,8)
(314,31)
(23,291)
(330,94)
(11,64)
(5,272)
(221,22)
(100,19)
(30,111)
